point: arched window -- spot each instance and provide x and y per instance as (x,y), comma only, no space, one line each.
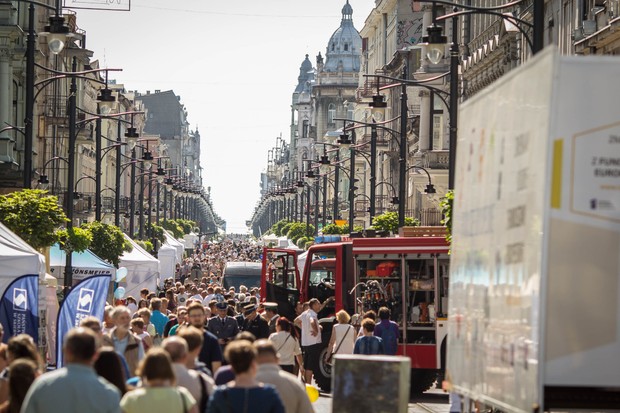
(331,113)
(333,46)
(346,47)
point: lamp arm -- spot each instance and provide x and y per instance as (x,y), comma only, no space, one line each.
(476,8)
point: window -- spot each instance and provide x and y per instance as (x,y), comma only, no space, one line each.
(437,132)
(346,47)
(305,130)
(331,113)
(350,114)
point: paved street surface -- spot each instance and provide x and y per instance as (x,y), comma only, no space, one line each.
(433,401)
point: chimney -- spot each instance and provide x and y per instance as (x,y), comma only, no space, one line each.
(148,92)
(157,91)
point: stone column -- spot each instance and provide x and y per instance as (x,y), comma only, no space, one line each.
(425,119)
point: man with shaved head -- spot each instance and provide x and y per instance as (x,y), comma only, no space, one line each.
(198,384)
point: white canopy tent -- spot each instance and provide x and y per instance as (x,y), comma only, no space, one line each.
(176,244)
(17,260)
(142,270)
(167,260)
(190,240)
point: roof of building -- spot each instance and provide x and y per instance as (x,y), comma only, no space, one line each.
(306,73)
(163,110)
(344,49)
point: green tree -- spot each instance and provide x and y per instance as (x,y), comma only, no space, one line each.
(298,230)
(388,221)
(158,233)
(277,227)
(333,229)
(172,226)
(186,225)
(146,245)
(446,208)
(74,239)
(108,241)
(33,215)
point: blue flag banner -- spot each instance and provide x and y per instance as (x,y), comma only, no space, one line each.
(86,298)
(19,309)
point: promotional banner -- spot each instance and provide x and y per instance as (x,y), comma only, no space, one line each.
(87,298)
(19,308)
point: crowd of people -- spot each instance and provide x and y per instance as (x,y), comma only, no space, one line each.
(190,347)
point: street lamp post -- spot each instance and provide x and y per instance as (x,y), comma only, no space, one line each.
(402,161)
(68,281)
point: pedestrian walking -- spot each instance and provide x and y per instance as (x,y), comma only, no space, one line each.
(342,340)
(75,388)
(289,388)
(368,344)
(159,392)
(388,331)
(287,345)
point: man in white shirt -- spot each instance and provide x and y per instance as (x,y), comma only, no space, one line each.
(310,338)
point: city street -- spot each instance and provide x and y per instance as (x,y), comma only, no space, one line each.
(433,401)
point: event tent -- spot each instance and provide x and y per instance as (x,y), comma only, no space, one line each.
(142,270)
(167,260)
(180,247)
(21,270)
(84,264)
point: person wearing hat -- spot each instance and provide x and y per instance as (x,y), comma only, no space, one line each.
(222,325)
(254,324)
(271,315)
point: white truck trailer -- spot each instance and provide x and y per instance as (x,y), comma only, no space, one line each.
(534,311)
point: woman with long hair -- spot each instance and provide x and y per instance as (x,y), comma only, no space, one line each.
(23,373)
(287,345)
(159,393)
(20,346)
(244,394)
(110,367)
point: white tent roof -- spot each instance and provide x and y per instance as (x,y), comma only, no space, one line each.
(142,269)
(176,244)
(17,258)
(167,260)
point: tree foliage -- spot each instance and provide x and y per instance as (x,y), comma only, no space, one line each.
(446,208)
(74,239)
(333,229)
(298,230)
(186,225)
(33,215)
(146,245)
(172,226)
(278,226)
(157,232)
(388,221)
(108,241)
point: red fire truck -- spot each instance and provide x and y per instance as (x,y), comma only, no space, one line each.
(409,275)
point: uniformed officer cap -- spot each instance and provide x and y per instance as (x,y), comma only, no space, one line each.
(270,306)
(222,305)
(250,308)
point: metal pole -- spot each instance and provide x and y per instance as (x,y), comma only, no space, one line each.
(336,184)
(28,122)
(71,170)
(539,26)
(316,206)
(141,200)
(132,194)
(157,204)
(373,169)
(98,167)
(352,183)
(150,211)
(117,194)
(307,211)
(165,202)
(402,161)
(324,200)
(454,101)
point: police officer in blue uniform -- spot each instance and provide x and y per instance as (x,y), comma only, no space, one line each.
(224,327)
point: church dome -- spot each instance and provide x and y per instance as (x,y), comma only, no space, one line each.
(344,49)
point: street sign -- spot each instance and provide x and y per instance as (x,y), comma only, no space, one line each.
(113,5)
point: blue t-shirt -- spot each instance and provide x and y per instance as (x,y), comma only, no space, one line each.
(262,399)
(369,345)
(388,331)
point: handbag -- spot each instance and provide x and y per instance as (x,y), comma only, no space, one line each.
(328,360)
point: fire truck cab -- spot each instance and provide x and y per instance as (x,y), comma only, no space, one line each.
(409,275)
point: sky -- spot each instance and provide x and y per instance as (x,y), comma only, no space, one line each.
(235,66)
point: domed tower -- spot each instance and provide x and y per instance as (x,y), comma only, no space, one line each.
(344,49)
(305,74)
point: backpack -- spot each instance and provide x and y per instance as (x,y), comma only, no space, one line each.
(389,334)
